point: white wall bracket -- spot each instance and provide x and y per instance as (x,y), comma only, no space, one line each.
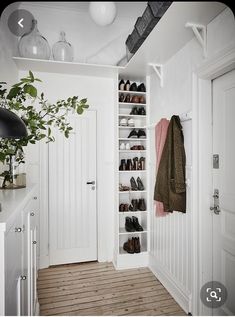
(199,31)
(158,68)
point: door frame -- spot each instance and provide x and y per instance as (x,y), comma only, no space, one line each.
(219,64)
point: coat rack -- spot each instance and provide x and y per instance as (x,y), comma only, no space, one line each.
(199,31)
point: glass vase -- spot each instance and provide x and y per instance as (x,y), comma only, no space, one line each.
(62,50)
(34,45)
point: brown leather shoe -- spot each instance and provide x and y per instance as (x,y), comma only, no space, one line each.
(121,207)
(129,246)
(141,99)
(135,99)
(136,243)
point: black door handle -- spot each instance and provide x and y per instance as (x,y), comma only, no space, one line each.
(91,183)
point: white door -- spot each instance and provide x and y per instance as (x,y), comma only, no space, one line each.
(224,181)
(72,202)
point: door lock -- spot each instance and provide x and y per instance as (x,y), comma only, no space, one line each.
(216,207)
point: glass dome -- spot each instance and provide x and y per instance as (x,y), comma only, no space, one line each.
(62,50)
(34,45)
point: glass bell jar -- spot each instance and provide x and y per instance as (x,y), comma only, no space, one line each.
(62,50)
(34,45)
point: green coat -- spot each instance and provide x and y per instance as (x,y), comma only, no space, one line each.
(170,187)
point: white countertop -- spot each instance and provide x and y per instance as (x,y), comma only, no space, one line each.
(12,201)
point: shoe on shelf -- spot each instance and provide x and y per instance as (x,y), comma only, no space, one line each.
(121,84)
(123,122)
(141,205)
(121,207)
(141,99)
(130,122)
(134,148)
(129,246)
(135,163)
(136,224)
(135,99)
(127,146)
(122,146)
(126,207)
(123,188)
(134,205)
(134,111)
(127,85)
(121,98)
(123,165)
(141,111)
(129,165)
(141,134)
(133,87)
(129,226)
(141,164)
(141,88)
(141,147)
(133,183)
(140,185)
(133,134)
(127,99)
(136,244)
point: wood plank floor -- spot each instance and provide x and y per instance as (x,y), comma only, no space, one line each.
(98,289)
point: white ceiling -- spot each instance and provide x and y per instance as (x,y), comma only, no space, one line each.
(125,9)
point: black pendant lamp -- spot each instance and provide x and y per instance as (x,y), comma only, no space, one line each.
(11,126)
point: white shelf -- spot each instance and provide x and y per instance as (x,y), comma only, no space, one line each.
(123,213)
(135,171)
(131,139)
(132,92)
(132,104)
(123,231)
(133,191)
(123,127)
(132,151)
(122,252)
(131,115)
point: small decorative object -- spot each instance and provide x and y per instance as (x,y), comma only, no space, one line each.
(62,50)
(34,45)
(103,13)
(38,121)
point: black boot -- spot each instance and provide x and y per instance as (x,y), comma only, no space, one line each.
(129,166)
(141,205)
(122,167)
(136,224)
(133,184)
(134,205)
(129,225)
(136,244)
(140,184)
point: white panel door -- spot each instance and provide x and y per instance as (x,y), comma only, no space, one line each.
(224,181)
(72,202)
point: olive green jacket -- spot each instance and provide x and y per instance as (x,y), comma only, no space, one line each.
(170,187)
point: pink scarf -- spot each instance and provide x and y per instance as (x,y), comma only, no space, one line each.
(160,138)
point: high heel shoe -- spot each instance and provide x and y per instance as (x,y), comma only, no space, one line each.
(140,184)
(141,165)
(134,111)
(133,87)
(127,99)
(129,165)
(133,184)
(141,88)
(135,163)
(121,85)
(127,85)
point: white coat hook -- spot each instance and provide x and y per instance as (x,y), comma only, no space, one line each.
(199,31)
(158,68)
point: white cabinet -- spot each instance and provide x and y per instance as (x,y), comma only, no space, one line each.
(18,243)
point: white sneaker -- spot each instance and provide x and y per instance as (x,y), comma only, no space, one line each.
(128,146)
(123,122)
(122,146)
(131,122)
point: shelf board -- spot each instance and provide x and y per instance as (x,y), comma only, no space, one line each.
(132,104)
(123,213)
(123,231)
(132,191)
(131,139)
(132,151)
(124,253)
(132,92)
(123,127)
(131,115)
(135,171)
(75,68)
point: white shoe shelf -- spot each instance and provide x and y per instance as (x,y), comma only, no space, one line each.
(124,259)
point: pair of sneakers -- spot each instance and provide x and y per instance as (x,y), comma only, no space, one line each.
(127,122)
(125,146)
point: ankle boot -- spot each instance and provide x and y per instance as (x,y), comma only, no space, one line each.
(136,224)
(134,205)
(133,184)
(141,205)
(129,246)
(140,184)
(136,244)
(135,163)
(122,167)
(129,225)
(129,165)
(142,163)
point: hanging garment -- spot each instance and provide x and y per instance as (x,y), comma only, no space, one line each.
(170,187)
(160,138)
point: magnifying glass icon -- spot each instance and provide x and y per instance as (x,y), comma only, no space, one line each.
(213,294)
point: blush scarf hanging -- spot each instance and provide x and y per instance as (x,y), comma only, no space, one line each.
(160,138)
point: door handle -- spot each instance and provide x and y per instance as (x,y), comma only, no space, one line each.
(91,183)
(216,207)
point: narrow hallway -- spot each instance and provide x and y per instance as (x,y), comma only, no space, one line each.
(98,289)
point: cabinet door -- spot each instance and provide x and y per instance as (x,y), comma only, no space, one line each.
(13,273)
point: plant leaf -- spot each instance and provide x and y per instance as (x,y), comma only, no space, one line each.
(13,92)
(31,90)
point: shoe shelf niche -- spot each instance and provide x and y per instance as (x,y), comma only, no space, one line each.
(132,198)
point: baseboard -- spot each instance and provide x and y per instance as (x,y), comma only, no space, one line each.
(167,281)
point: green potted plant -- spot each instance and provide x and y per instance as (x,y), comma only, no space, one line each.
(40,117)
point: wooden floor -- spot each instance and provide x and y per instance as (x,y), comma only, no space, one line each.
(98,289)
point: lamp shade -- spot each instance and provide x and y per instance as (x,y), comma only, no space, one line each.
(11,126)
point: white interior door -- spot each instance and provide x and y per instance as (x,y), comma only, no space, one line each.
(72,202)
(224,181)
